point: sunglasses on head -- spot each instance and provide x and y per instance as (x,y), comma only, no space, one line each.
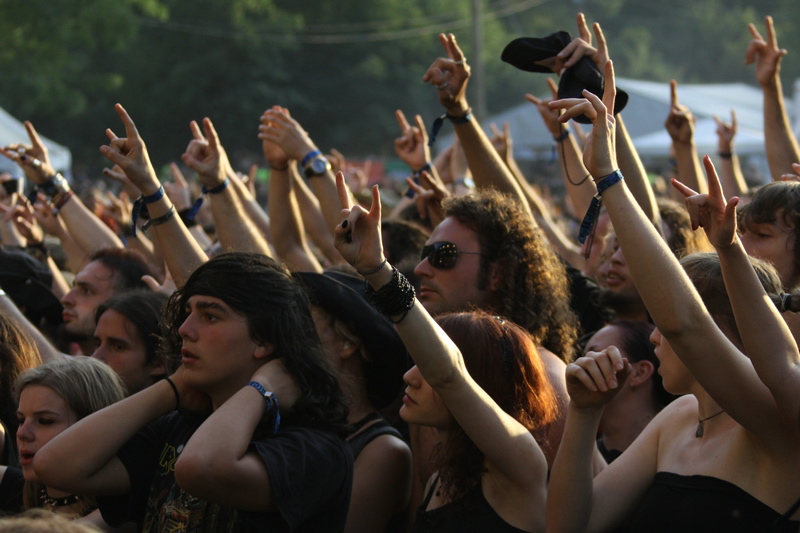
(442,255)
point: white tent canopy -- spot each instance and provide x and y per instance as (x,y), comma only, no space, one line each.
(13,131)
(645,114)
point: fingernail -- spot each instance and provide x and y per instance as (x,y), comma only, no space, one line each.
(344,224)
(613,383)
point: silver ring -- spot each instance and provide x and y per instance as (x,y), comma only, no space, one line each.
(443,86)
(21,150)
(36,163)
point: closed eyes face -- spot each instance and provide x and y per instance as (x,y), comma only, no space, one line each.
(42,414)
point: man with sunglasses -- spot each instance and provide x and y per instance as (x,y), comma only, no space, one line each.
(489,254)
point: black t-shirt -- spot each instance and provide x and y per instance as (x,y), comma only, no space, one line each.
(310,472)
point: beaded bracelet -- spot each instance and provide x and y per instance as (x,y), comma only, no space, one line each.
(396,298)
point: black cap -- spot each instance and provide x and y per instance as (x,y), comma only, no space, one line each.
(526,52)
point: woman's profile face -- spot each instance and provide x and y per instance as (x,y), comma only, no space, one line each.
(42,414)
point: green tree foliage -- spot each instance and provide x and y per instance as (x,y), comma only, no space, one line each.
(342,67)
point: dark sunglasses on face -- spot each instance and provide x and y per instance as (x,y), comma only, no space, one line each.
(442,255)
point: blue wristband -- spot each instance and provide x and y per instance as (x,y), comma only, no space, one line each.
(271,404)
(594,207)
(308,157)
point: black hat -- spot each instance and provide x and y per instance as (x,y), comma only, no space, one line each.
(27,282)
(527,53)
(343,296)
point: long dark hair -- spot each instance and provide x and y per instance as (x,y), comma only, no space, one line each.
(503,360)
(278,313)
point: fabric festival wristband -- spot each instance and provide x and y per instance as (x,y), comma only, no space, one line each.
(455,119)
(163,219)
(271,402)
(594,207)
(197,203)
(137,206)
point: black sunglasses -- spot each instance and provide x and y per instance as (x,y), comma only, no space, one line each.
(442,255)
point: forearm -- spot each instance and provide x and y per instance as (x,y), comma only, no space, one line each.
(730,171)
(78,461)
(570,491)
(767,340)
(59,286)
(286,228)
(690,173)
(779,141)
(313,220)
(89,232)
(579,188)
(181,252)
(217,463)
(487,167)
(635,174)
(235,228)
(253,210)
(9,310)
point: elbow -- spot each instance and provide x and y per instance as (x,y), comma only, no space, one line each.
(194,472)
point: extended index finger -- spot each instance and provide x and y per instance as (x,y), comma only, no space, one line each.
(673,93)
(130,127)
(610,88)
(177,175)
(401,120)
(34,137)
(341,188)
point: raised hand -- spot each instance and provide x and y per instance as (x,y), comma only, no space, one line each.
(276,156)
(680,121)
(599,153)
(582,46)
(450,75)
(358,236)
(120,208)
(710,211)
(549,115)
(279,381)
(792,177)
(277,126)
(429,195)
(501,140)
(726,131)
(594,379)
(412,145)
(32,158)
(764,53)
(130,153)
(44,213)
(178,190)
(206,156)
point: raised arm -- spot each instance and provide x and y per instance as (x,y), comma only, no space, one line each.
(779,141)
(670,297)
(508,446)
(181,252)
(767,340)
(90,232)
(286,227)
(206,156)
(279,127)
(730,172)
(450,75)
(680,126)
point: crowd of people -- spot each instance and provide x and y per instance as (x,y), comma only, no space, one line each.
(464,358)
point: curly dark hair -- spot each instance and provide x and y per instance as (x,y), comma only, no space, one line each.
(535,287)
(503,360)
(278,313)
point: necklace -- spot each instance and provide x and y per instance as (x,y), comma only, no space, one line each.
(699,432)
(49,502)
